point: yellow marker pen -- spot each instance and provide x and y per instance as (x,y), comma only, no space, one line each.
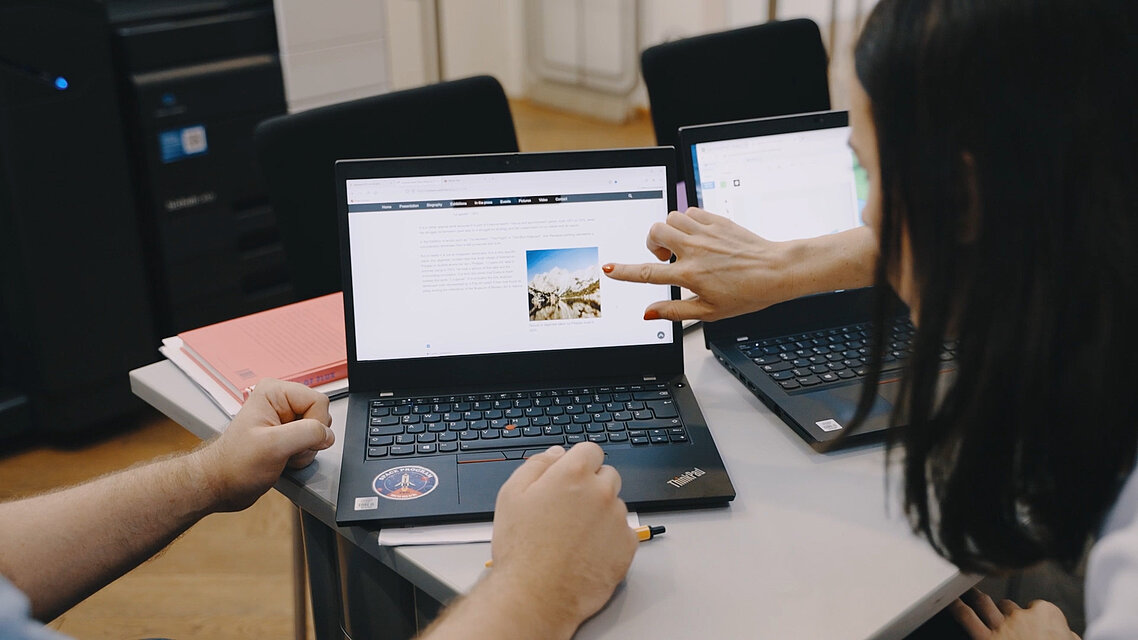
(647,532)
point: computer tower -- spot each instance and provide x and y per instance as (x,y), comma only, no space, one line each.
(195,78)
(75,313)
(130,203)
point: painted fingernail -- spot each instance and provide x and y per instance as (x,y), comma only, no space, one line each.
(651,314)
(607,268)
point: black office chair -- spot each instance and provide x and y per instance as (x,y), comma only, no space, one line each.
(297,153)
(766,70)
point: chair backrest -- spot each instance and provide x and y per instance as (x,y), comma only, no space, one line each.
(297,153)
(767,70)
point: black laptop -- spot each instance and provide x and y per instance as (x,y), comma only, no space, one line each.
(786,178)
(481,332)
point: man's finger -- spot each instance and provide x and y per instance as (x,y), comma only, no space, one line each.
(290,400)
(611,477)
(647,272)
(531,470)
(301,435)
(301,460)
(969,621)
(581,459)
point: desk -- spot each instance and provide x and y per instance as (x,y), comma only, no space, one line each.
(808,549)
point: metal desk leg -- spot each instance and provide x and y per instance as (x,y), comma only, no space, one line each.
(299,579)
(354,596)
(377,602)
(323,577)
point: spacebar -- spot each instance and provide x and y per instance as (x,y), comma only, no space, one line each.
(510,443)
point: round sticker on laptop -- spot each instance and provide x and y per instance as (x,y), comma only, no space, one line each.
(405,483)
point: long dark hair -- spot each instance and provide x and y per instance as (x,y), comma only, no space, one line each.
(1008,144)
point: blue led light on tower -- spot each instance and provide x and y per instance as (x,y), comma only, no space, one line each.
(61,83)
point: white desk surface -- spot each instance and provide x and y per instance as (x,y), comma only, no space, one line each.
(810,548)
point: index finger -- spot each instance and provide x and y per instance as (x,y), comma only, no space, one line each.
(583,458)
(291,400)
(531,470)
(661,273)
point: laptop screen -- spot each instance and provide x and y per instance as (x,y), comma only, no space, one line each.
(784,186)
(500,263)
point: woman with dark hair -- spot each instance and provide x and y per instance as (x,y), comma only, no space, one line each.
(1001,144)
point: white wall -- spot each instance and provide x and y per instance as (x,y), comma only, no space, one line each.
(332,50)
(336,50)
(483,36)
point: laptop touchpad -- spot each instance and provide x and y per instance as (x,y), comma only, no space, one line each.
(479,482)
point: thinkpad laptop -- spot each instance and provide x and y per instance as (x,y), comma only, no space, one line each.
(786,178)
(480,332)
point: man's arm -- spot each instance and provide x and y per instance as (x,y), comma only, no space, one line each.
(733,271)
(61,547)
(561,545)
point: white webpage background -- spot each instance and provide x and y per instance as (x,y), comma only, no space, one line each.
(789,186)
(434,282)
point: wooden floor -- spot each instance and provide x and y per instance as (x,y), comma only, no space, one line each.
(229,577)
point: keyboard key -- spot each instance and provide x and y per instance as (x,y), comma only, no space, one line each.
(448,447)
(425,448)
(402,449)
(678,437)
(808,381)
(651,395)
(789,384)
(658,439)
(384,421)
(386,431)
(598,437)
(619,436)
(405,438)
(425,437)
(481,445)
(574,438)
(663,408)
(376,452)
(779,366)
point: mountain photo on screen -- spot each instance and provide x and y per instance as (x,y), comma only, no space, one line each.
(564,284)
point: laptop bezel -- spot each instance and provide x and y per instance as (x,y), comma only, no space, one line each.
(522,368)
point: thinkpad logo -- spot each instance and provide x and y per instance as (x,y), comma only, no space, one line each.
(686,477)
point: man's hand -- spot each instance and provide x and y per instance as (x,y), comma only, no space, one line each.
(561,545)
(733,271)
(282,423)
(983,619)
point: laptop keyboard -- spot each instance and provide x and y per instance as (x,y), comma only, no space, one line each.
(506,425)
(829,356)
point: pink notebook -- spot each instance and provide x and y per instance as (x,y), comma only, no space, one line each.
(302,342)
